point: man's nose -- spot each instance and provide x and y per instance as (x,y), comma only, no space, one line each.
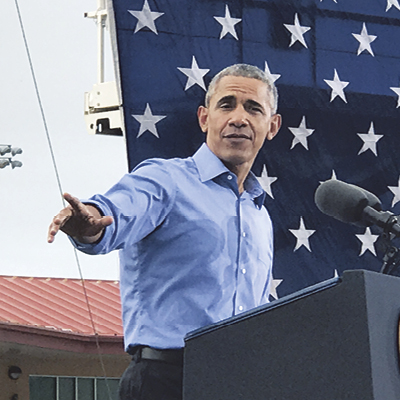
(239,117)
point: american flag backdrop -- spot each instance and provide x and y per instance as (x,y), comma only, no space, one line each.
(336,64)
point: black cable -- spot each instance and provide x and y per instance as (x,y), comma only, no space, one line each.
(61,193)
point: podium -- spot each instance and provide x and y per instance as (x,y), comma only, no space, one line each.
(337,340)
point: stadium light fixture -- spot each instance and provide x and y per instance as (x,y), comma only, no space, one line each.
(16,164)
(15,151)
(4,149)
(6,161)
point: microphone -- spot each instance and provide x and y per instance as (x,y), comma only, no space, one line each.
(354,205)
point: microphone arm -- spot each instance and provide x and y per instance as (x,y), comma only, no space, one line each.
(354,205)
(384,219)
(389,223)
(391,259)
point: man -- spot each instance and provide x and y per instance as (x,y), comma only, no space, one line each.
(195,240)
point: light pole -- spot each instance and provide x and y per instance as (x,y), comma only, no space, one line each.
(5,161)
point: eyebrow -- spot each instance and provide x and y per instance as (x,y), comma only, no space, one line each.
(232,99)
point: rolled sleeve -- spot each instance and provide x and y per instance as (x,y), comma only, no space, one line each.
(138,203)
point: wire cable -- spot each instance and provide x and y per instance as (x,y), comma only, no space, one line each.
(63,200)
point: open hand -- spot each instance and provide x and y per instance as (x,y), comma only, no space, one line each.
(80,221)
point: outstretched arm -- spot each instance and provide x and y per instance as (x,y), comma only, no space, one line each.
(83,222)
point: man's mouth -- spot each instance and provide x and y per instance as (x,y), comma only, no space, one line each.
(237,136)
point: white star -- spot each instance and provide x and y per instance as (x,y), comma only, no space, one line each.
(228,24)
(336,275)
(333,178)
(391,3)
(302,234)
(397,91)
(148,121)
(396,191)
(266,181)
(273,77)
(337,87)
(297,32)
(194,74)
(367,240)
(301,133)
(365,40)
(146,18)
(274,285)
(370,140)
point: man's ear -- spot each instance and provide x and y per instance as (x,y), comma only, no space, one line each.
(275,124)
(202,115)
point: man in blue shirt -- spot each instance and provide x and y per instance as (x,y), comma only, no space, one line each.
(195,240)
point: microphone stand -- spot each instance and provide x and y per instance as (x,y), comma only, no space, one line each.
(391,259)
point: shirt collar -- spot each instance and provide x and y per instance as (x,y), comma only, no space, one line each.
(253,187)
(210,166)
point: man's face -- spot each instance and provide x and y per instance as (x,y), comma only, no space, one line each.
(238,120)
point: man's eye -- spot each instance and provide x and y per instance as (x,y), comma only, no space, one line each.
(226,105)
(255,109)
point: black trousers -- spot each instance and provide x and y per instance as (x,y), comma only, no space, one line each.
(151,380)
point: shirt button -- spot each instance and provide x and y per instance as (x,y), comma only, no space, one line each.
(244,234)
(229,177)
(244,271)
(240,308)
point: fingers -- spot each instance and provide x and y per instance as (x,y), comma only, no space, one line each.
(106,221)
(78,220)
(63,216)
(58,221)
(51,234)
(53,230)
(75,203)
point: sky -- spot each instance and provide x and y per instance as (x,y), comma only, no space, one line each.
(63,48)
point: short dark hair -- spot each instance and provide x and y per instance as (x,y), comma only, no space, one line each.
(246,71)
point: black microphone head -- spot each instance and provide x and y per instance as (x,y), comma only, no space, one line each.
(344,201)
(373,201)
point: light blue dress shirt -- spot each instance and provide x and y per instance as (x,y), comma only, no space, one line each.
(192,250)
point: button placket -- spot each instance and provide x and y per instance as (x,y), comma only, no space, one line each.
(242,271)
